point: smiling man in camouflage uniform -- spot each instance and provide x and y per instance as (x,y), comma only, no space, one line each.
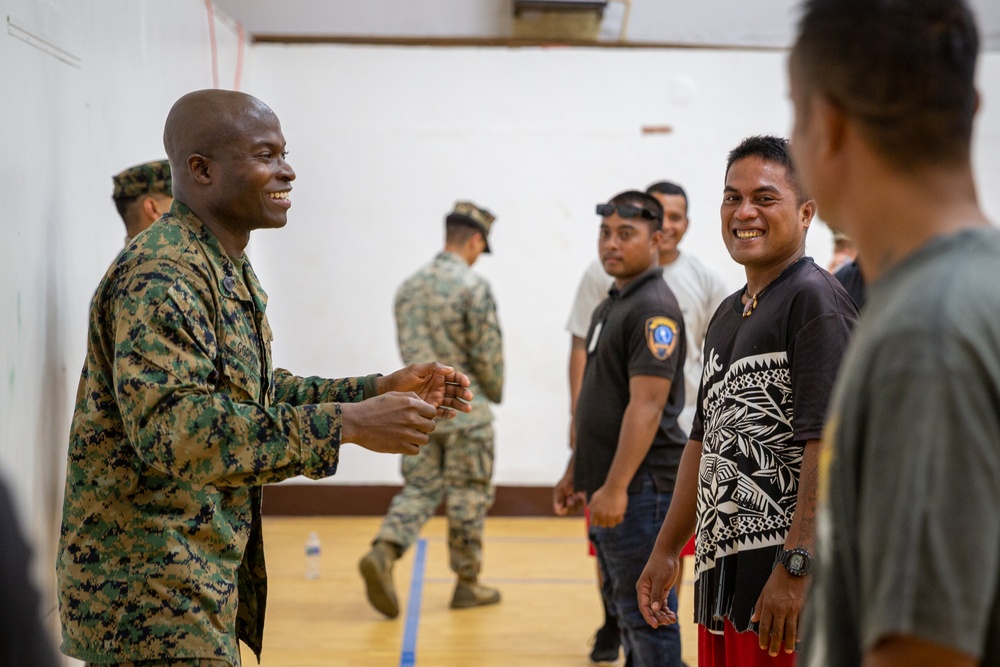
(180,416)
(447,312)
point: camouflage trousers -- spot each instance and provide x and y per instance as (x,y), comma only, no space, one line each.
(166,662)
(456,467)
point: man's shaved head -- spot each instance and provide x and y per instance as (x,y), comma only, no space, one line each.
(227,158)
(202,121)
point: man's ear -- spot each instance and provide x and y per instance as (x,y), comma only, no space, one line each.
(200,168)
(831,121)
(150,208)
(476,242)
(807,211)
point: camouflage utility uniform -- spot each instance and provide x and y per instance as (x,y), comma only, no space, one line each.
(179,420)
(446,312)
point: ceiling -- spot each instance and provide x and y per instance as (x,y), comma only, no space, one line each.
(714,23)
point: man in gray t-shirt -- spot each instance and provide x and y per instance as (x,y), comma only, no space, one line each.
(909,537)
(915,478)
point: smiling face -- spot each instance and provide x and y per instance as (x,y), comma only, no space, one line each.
(763,225)
(627,247)
(675,224)
(252,178)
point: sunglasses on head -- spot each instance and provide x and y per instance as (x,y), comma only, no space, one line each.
(625,211)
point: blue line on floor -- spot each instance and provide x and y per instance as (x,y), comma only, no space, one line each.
(516,580)
(523,540)
(408,655)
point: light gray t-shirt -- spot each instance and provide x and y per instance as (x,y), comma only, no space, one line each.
(909,537)
(699,291)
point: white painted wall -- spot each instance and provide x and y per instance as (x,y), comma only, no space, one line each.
(384,139)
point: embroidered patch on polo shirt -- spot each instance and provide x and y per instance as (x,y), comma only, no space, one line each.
(661,336)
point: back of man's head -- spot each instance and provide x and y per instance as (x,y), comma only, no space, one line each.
(465,221)
(902,70)
(138,181)
(770,149)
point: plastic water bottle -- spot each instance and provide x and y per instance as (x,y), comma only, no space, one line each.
(312,556)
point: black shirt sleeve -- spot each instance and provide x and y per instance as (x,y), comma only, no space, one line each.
(815,353)
(655,342)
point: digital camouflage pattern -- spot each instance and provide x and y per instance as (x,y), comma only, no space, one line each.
(150,178)
(467,212)
(455,467)
(167,662)
(476,214)
(446,312)
(179,420)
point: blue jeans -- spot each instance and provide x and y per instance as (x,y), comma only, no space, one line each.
(622,552)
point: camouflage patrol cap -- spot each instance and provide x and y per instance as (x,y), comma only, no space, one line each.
(150,178)
(470,214)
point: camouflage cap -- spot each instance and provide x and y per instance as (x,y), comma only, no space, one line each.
(469,213)
(143,179)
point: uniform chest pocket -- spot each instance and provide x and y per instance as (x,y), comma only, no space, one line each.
(242,370)
(266,337)
(241,363)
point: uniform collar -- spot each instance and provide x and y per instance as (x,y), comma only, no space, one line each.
(642,279)
(451,258)
(228,277)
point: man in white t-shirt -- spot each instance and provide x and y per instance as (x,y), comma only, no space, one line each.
(699,291)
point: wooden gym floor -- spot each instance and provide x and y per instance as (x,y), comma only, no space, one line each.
(548,615)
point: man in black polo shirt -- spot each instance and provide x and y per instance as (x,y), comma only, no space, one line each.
(628,442)
(749,476)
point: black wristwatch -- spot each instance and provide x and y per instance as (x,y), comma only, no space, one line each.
(797,561)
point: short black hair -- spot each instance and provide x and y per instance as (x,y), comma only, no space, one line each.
(903,70)
(128,207)
(644,201)
(457,231)
(123,205)
(668,188)
(770,149)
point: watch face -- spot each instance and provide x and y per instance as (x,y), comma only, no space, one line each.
(796,563)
